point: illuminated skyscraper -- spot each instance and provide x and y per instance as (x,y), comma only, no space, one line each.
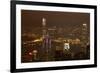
(84,37)
(46,39)
(84,34)
(44,30)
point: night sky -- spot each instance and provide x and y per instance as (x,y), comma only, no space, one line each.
(32,20)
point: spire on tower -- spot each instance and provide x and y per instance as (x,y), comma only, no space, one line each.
(44,21)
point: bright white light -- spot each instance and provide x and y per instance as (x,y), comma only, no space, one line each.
(44,21)
(84,24)
(66,46)
(35,51)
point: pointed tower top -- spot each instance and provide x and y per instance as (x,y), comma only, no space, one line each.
(43,21)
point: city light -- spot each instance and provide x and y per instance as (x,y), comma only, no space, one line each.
(84,24)
(55,40)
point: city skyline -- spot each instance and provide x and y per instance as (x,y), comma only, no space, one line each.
(54,36)
(65,20)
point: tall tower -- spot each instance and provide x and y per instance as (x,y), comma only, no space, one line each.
(84,37)
(46,40)
(44,30)
(84,33)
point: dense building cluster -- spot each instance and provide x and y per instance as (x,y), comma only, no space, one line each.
(55,44)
